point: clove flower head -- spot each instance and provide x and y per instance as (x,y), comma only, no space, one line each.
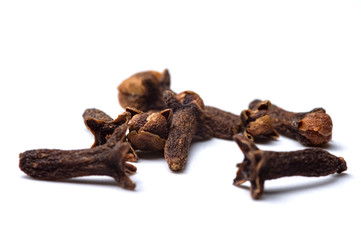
(144,90)
(149,131)
(259,166)
(266,120)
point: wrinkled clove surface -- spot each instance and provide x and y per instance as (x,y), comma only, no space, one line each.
(144,90)
(102,125)
(149,131)
(187,118)
(259,166)
(223,124)
(266,120)
(108,159)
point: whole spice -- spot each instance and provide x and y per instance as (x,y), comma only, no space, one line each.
(102,126)
(108,159)
(144,94)
(265,120)
(223,124)
(259,165)
(149,131)
(187,119)
(144,90)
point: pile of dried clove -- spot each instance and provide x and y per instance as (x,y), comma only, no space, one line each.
(159,119)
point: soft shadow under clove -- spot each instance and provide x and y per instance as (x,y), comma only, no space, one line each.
(276,192)
(150,155)
(84,180)
(333,146)
(265,140)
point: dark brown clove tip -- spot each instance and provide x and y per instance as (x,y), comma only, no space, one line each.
(343,165)
(241,176)
(245,144)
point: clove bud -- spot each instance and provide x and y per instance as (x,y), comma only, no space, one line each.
(188,118)
(266,120)
(144,90)
(149,131)
(108,159)
(259,166)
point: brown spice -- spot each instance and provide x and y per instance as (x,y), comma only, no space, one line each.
(149,131)
(108,159)
(144,90)
(134,93)
(222,124)
(266,120)
(102,125)
(187,119)
(259,165)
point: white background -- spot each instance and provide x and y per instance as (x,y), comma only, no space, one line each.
(58,58)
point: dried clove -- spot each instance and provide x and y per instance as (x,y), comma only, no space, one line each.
(149,131)
(144,90)
(259,165)
(223,124)
(108,159)
(266,120)
(188,118)
(141,93)
(159,119)
(102,126)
